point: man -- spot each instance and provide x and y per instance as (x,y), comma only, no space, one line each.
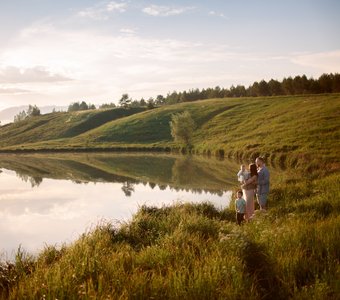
(262,183)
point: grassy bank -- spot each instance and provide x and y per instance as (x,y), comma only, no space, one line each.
(196,252)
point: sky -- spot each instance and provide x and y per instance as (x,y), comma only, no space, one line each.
(65,51)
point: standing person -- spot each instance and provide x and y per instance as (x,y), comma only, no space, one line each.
(248,189)
(262,183)
(240,207)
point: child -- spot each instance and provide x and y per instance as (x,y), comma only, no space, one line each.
(240,207)
(242,175)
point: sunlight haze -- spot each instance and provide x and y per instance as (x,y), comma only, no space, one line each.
(59,52)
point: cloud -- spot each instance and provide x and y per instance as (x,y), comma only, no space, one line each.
(105,65)
(326,62)
(216,14)
(35,74)
(114,6)
(165,11)
(13,91)
(103,11)
(127,30)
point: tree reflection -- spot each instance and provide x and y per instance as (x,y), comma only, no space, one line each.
(183,171)
(128,188)
(152,185)
(36,181)
(33,180)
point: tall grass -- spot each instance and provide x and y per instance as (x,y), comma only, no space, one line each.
(193,251)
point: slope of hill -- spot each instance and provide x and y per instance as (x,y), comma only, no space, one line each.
(288,130)
(7,115)
(58,125)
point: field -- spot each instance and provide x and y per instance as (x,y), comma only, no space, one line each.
(189,251)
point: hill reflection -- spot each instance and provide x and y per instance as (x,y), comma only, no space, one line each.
(189,173)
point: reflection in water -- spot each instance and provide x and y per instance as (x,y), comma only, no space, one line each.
(35,181)
(54,198)
(128,188)
(183,172)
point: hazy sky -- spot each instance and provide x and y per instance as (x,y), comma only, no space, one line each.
(58,52)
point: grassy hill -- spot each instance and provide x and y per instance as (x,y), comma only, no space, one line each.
(58,125)
(288,130)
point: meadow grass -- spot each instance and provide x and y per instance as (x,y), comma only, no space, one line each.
(194,251)
(58,126)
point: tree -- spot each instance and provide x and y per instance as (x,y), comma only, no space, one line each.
(33,111)
(125,100)
(73,107)
(325,82)
(287,85)
(83,106)
(160,100)
(107,105)
(151,103)
(142,102)
(263,88)
(275,88)
(182,127)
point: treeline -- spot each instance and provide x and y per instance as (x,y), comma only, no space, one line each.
(76,106)
(299,85)
(32,111)
(326,83)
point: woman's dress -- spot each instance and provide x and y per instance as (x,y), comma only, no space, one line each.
(249,195)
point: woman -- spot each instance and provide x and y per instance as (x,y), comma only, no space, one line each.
(248,188)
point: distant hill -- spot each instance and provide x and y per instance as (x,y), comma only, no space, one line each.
(58,125)
(7,115)
(288,130)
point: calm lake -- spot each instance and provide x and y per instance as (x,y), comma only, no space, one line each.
(53,198)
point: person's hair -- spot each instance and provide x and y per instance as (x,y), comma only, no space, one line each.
(261,158)
(253,170)
(239,191)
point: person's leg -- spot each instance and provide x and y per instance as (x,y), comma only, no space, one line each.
(262,200)
(237,219)
(241,218)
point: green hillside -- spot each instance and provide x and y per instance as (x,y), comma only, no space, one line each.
(288,130)
(58,125)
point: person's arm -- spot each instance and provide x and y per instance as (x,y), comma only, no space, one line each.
(250,180)
(263,177)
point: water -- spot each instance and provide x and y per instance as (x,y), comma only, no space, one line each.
(52,199)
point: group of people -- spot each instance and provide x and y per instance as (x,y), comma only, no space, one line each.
(254,181)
